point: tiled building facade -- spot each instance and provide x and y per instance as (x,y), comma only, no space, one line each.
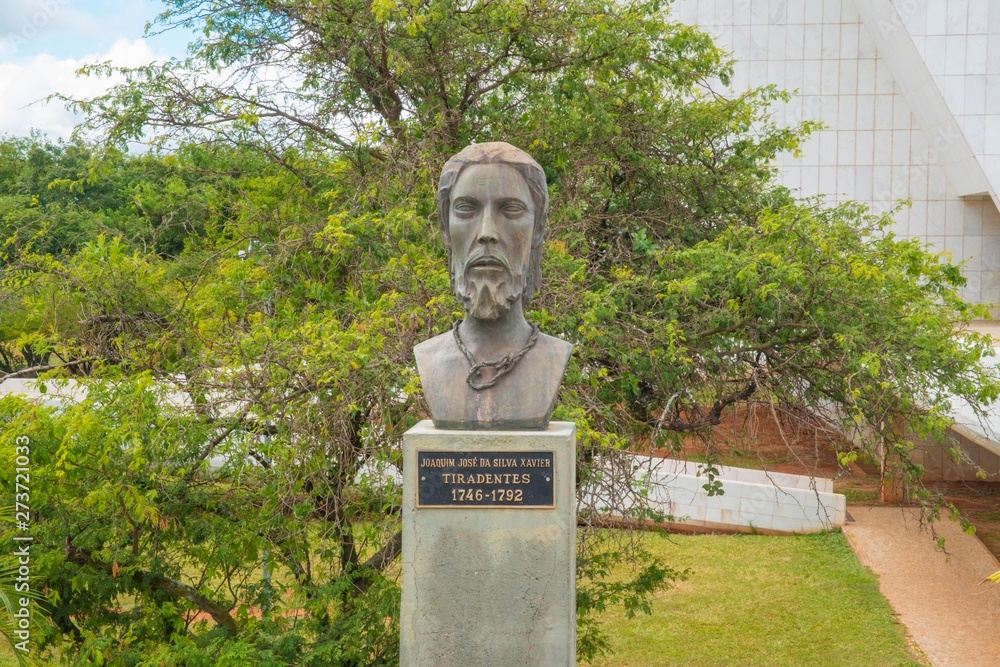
(909,92)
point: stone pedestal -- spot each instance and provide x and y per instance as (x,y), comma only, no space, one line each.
(489,548)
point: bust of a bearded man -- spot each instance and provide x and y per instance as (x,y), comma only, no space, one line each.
(492,370)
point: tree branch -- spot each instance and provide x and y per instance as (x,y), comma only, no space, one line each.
(714,416)
(47,367)
(156,582)
(378,562)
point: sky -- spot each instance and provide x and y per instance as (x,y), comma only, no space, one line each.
(44,42)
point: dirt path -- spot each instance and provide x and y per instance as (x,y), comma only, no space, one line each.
(940,597)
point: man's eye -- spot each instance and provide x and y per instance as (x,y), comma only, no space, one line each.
(513,208)
(464,208)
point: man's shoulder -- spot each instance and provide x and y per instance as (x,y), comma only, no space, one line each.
(437,352)
(437,344)
(556,346)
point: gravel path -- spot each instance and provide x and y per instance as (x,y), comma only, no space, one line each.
(940,596)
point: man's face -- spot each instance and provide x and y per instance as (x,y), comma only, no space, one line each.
(490,223)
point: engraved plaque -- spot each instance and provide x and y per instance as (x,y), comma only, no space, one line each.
(485,479)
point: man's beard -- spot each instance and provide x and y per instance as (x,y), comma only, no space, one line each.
(488,295)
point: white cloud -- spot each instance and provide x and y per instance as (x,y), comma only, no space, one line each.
(24,85)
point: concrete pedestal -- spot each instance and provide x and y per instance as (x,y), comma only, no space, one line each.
(488,586)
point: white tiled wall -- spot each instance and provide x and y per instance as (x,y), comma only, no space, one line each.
(874,149)
(959,40)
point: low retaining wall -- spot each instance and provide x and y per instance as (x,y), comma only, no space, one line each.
(752,499)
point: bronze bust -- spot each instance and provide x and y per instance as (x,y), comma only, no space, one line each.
(493,370)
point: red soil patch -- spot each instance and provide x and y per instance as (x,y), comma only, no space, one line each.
(768,437)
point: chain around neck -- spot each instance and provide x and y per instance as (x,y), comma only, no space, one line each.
(503,365)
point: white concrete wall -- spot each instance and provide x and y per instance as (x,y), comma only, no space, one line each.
(874,150)
(751,498)
(57,392)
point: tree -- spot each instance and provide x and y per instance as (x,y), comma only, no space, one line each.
(244,386)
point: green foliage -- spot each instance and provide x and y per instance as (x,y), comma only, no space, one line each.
(242,309)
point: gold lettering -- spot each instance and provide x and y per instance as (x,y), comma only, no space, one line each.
(438,463)
(526,478)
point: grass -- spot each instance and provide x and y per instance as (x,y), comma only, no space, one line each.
(859,495)
(769,601)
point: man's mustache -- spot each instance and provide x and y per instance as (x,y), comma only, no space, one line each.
(486,259)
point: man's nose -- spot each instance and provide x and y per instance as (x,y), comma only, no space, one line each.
(488,232)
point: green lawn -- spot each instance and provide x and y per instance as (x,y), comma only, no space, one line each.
(769,601)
